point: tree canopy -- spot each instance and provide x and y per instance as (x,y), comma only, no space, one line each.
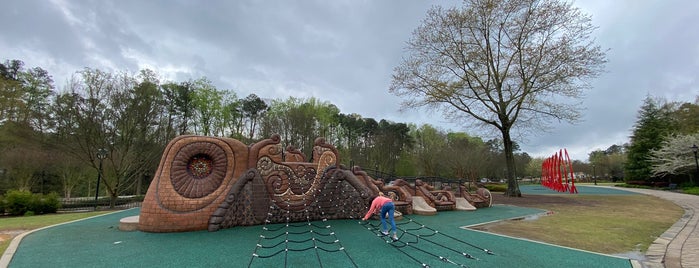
(505,64)
(651,128)
(675,156)
(49,142)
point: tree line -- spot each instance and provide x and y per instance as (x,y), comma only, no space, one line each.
(50,139)
(660,149)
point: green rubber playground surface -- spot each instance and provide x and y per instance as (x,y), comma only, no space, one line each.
(434,241)
(583,190)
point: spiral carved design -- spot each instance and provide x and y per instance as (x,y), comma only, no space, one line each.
(198,169)
(291,188)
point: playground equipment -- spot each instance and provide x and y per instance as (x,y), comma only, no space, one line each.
(438,199)
(402,198)
(481,199)
(211,183)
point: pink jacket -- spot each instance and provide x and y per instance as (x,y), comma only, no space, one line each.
(376,205)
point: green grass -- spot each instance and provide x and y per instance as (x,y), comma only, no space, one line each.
(612,224)
(691,190)
(26,223)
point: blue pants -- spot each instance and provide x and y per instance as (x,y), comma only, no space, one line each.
(389,209)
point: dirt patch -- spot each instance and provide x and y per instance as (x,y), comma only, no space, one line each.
(7,235)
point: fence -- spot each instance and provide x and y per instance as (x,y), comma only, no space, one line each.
(90,204)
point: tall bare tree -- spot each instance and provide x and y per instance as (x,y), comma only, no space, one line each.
(429,145)
(505,64)
(467,156)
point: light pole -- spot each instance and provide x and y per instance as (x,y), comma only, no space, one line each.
(695,149)
(101,155)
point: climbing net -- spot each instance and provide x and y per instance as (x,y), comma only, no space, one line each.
(307,243)
(301,242)
(418,241)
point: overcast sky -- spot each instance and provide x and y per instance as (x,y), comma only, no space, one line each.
(344,52)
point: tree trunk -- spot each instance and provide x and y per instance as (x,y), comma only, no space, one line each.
(512,186)
(112,200)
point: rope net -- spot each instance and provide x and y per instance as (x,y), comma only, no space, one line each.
(308,242)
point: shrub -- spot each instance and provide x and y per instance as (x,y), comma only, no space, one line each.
(46,203)
(3,204)
(626,185)
(496,187)
(691,190)
(18,202)
(640,183)
(25,203)
(661,184)
(686,185)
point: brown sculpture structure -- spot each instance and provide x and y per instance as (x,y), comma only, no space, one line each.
(438,199)
(213,183)
(481,199)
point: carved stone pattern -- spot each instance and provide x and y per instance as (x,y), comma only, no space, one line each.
(240,212)
(200,166)
(198,169)
(286,185)
(276,175)
(336,198)
(341,201)
(237,209)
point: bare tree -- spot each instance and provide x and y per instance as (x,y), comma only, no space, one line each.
(507,64)
(117,113)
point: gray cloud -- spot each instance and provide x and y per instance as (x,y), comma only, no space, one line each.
(344,52)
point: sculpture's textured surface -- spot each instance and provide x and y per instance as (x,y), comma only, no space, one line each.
(213,183)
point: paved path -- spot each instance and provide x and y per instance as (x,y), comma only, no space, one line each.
(678,247)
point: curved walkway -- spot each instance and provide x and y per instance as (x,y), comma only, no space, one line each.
(679,245)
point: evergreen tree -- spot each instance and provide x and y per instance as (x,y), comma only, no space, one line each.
(651,128)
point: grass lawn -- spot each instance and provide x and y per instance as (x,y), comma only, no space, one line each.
(606,224)
(12,226)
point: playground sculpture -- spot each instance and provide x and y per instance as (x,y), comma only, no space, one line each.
(480,199)
(438,199)
(402,198)
(212,183)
